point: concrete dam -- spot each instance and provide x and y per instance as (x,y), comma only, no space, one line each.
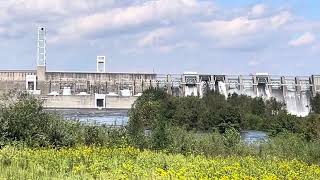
(109,90)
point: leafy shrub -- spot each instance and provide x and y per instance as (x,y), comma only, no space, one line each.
(23,120)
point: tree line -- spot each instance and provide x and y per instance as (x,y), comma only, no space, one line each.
(155,110)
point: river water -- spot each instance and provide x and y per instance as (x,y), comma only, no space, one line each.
(252,136)
(120,118)
(109,117)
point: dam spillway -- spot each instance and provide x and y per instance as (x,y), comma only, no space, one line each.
(295,92)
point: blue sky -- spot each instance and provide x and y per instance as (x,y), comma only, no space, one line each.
(165,36)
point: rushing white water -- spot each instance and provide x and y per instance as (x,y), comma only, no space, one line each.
(277,94)
(297,104)
(202,88)
(268,94)
(249,92)
(222,89)
(261,92)
(304,104)
(291,102)
(191,91)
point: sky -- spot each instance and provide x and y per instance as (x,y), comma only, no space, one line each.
(280,37)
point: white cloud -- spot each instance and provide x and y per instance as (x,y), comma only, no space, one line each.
(305,39)
(179,45)
(235,27)
(242,31)
(162,40)
(17,16)
(281,19)
(258,10)
(27,8)
(156,37)
(164,48)
(150,11)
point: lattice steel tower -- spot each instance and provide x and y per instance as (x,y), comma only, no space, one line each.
(41,54)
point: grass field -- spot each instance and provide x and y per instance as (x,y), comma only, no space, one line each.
(130,163)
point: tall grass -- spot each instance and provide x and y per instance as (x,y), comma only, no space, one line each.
(131,163)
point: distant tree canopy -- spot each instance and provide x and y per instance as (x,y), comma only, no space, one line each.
(213,111)
(155,109)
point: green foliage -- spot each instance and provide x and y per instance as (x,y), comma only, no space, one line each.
(24,121)
(315,103)
(213,111)
(230,117)
(131,163)
(94,135)
(311,126)
(160,136)
(188,111)
(258,106)
(231,137)
(145,113)
(188,125)
(253,122)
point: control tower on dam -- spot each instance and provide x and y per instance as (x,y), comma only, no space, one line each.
(101,89)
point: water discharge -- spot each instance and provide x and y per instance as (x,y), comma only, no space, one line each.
(291,102)
(268,94)
(222,88)
(296,103)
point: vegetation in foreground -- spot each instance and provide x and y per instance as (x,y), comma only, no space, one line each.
(156,109)
(131,163)
(177,137)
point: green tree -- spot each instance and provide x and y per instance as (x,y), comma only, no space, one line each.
(160,135)
(258,106)
(230,117)
(144,115)
(188,112)
(315,103)
(23,119)
(311,126)
(231,137)
(273,107)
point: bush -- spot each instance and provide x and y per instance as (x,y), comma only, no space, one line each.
(94,135)
(252,122)
(24,121)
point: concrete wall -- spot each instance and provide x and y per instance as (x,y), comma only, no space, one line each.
(120,102)
(86,102)
(15,75)
(83,76)
(98,82)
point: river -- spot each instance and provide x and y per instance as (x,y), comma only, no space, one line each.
(108,117)
(120,118)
